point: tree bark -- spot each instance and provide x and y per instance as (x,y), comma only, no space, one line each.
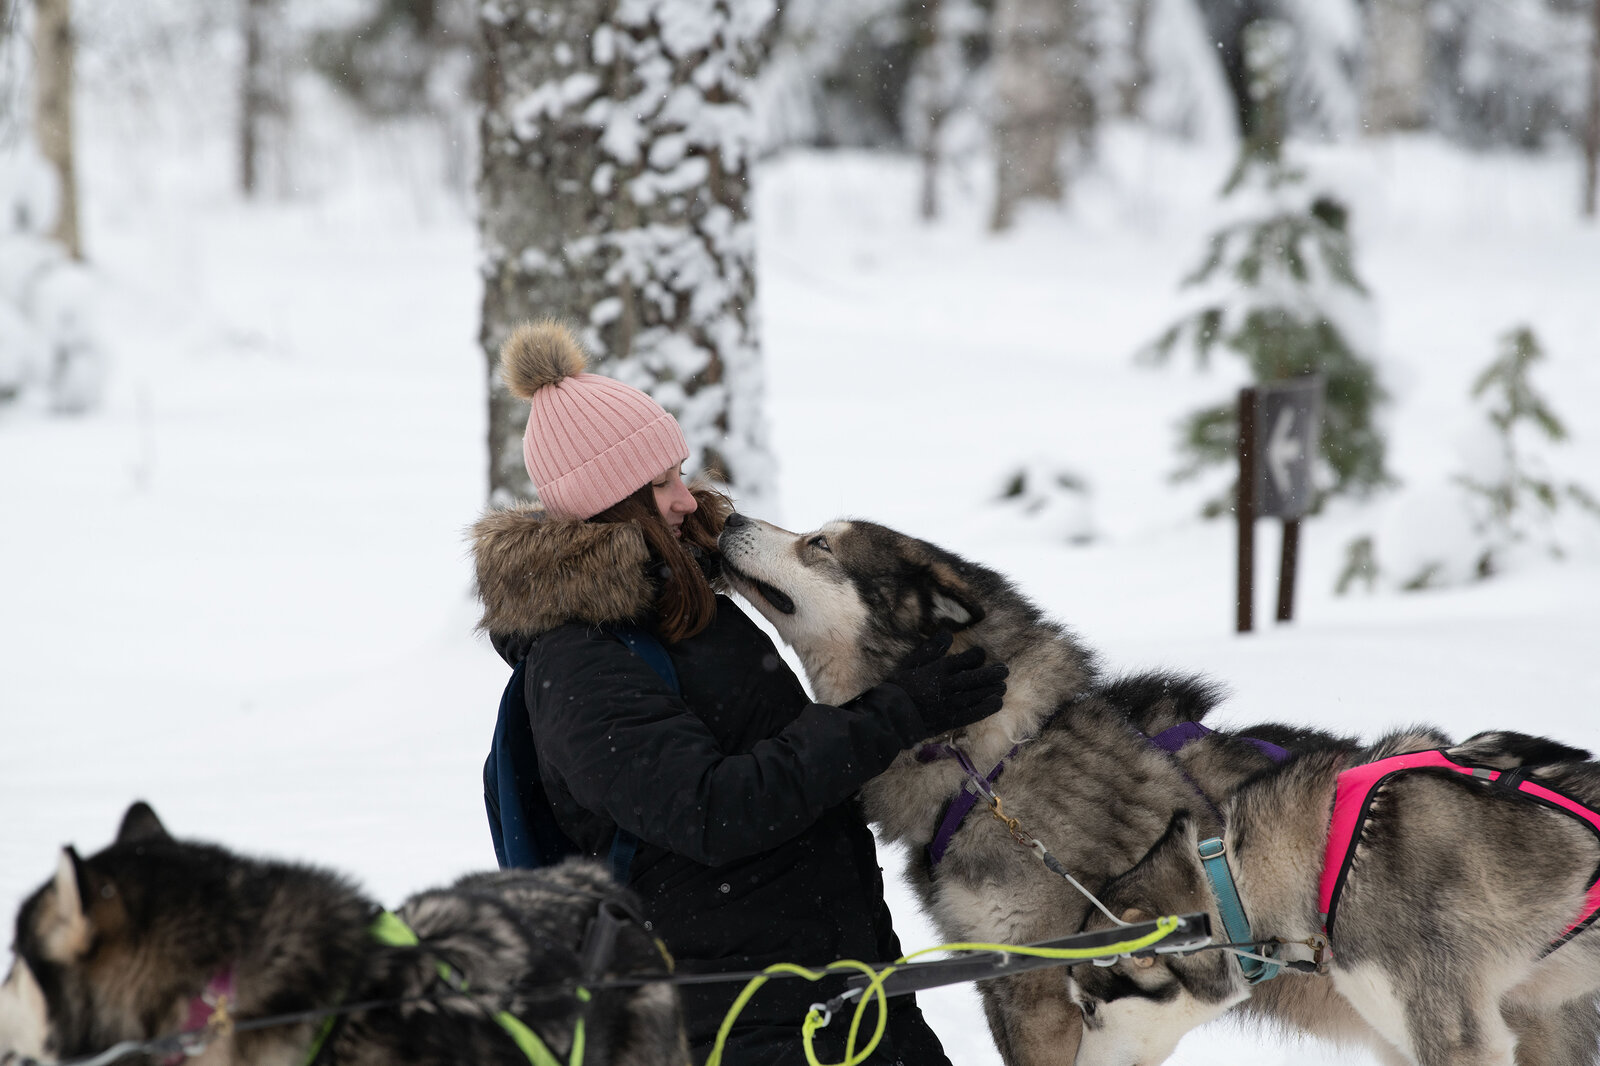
(260,100)
(1591,133)
(1395,90)
(1130,93)
(1225,22)
(1042,100)
(53,44)
(613,195)
(932,82)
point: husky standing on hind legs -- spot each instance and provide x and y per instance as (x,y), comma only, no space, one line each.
(1072,754)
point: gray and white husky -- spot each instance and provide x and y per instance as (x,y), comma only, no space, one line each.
(1455,885)
(1080,772)
(153,936)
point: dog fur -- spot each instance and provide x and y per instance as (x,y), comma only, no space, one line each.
(1456,891)
(852,598)
(116,946)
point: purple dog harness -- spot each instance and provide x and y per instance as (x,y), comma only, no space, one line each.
(980,786)
(1352,805)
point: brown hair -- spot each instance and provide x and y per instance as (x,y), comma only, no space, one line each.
(685,603)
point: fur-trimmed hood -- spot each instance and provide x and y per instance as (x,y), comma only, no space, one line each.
(536,572)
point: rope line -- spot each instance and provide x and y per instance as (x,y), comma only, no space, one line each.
(818,1017)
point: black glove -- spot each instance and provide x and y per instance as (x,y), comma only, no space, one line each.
(949,691)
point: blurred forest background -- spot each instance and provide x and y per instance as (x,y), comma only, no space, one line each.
(605,150)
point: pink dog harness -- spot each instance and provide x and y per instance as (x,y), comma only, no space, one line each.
(1353,796)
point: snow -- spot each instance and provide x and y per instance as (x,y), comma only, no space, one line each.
(241,589)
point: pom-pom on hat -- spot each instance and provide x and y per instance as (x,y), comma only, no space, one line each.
(591,441)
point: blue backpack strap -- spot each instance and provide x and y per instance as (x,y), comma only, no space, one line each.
(504,807)
(523,826)
(646,646)
(521,821)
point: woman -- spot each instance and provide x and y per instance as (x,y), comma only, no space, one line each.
(751,848)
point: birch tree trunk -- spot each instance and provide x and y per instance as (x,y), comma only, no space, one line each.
(1396,82)
(53,45)
(1042,99)
(1591,131)
(613,194)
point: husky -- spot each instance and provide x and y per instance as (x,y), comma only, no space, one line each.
(1454,888)
(1078,768)
(154,936)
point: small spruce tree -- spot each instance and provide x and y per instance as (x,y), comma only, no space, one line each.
(1515,501)
(1277,287)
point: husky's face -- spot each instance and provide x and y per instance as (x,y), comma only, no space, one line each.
(75,980)
(852,598)
(1136,1011)
(24,1016)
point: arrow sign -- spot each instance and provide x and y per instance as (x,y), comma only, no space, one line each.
(1284,452)
(1285,443)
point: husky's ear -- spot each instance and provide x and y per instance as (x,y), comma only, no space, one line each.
(141,826)
(1166,876)
(64,927)
(1180,843)
(953,606)
(1132,915)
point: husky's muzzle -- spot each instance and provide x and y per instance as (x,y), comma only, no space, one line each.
(736,534)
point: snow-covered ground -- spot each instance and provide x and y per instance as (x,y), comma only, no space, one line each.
(241,590)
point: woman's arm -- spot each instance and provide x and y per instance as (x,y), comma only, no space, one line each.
(626,747)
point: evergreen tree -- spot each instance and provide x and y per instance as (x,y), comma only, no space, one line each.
(1278,288)
(1515,501)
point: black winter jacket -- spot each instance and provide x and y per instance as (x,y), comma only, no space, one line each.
(752,849)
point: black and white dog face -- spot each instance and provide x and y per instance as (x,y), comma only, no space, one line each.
(24,1014)
(852,598)
(1136,1011)
(80,972)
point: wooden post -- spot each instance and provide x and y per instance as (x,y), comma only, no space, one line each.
(1286,568)
(1245,508)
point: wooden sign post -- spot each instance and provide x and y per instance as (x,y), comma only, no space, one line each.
(1277,438)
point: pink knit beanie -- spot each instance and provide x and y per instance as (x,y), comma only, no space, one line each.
(591,441)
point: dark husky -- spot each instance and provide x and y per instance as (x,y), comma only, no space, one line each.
(132,944)
(1080,773)
(1457,930)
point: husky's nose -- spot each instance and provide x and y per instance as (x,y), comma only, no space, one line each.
(736,521)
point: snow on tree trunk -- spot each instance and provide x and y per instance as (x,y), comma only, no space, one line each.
(1042,100)
(1396,82)
(613,195)
(53,46)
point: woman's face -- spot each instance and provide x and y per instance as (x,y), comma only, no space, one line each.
(673,499)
